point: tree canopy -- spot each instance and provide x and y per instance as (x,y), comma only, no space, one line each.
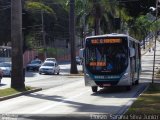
(88,12)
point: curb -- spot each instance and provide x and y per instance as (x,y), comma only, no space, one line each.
(20,94)
(72,75)
(125,108)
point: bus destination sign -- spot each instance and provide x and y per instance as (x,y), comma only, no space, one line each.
(106,40)
(100,64)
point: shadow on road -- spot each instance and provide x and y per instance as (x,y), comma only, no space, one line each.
(30,74)
(1,84)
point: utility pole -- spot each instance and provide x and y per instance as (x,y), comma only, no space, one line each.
(155,42)
(73,69)
(17,76)
(83,30)
(43,34)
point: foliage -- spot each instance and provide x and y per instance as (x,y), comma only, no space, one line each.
(30,41)
(141,26)
(38,6)
(55,20)
(136,8)
(5,23)
(53,51)
(56,17)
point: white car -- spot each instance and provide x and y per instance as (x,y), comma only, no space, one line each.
(50,59)
(49,67)
(6,68)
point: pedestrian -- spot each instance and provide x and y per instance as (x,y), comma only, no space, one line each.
(36,58)
(153,48)
(149,49)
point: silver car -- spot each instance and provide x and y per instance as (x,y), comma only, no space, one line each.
(6,68)
(49,67)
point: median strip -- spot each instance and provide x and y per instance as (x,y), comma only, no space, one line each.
(9,93)
(148,102)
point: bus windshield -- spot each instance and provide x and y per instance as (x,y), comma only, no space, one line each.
(106,56)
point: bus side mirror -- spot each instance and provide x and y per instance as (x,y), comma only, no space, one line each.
(81,53)
(132,52)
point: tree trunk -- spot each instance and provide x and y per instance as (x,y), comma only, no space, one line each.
(97,16)
(17,78)
(73,69)
(97,26)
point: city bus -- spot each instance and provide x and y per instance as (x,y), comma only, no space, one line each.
(5,54)
(111,60)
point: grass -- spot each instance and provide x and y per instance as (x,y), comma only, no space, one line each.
(148,102)
(158,74)
(11,91)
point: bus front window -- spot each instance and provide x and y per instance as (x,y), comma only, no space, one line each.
(103,59)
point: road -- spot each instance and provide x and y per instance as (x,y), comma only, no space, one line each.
(67,96)
(44,81)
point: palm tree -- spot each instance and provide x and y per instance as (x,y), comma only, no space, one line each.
(71,5)
(17,78)
(98,14)
(141,27)
(73,69)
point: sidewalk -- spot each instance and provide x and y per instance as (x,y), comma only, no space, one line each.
(144,51)
(157,59)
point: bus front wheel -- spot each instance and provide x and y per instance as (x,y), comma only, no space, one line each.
(128,88)
(94,88)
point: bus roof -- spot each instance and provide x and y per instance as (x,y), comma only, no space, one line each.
(113,35)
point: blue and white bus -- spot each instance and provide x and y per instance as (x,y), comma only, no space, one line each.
(111,60)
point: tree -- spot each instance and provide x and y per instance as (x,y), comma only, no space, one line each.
(55,23)
(17,77)
(98,15)
(41,8)
(73,69)
(5,22)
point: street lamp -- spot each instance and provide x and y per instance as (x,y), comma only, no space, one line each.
(155,39)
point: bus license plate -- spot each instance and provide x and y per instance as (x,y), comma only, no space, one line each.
(106,85)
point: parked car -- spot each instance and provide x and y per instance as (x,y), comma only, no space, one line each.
(50,59)
(6,68)
(1,74)
(34,65)
(78,60)
(49,67)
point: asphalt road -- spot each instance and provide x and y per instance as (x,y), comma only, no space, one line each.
(43,81)
(67,96)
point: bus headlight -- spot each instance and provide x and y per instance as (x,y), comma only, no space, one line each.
(125,76)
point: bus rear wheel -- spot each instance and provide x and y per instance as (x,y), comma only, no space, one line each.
(129,87)
(137,82)
(94,88)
